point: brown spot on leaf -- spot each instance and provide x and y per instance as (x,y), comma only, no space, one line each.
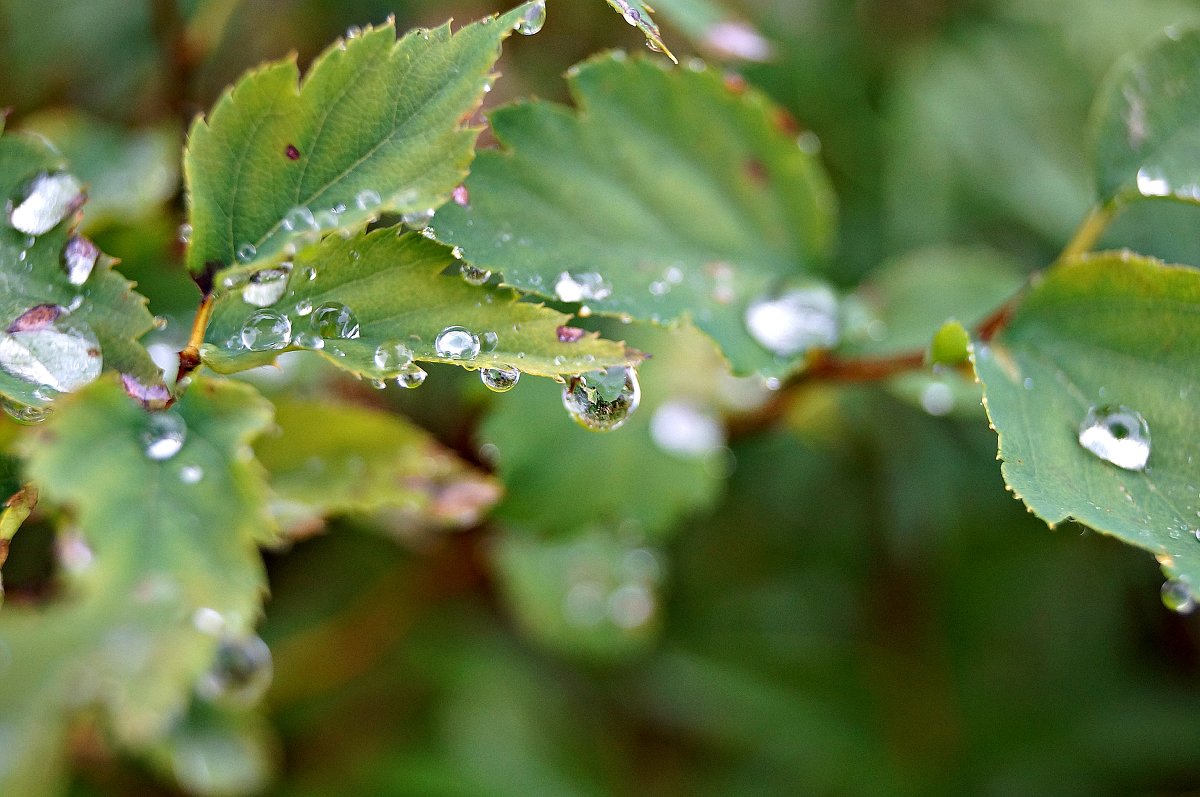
(734,83)
(35,318)
(569,334)
(292,153)
(756,171)
(786,122)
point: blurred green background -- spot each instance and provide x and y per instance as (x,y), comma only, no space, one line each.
(846,604)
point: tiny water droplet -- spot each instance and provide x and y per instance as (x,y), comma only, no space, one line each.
(1177,596)
(240,673)
(456,343)
(532,20)
(488,341)
(353,32)
(79,258)
(299,219)
(48,199)
(185,233)
(307,340)
(304,307)
(1118,435)
(602,400)
(393,357)
(334,320)
(266,287)
(501,379)
(191,474)
(266,330)
(795,321)
(412,376)
(164,435)
(474,276)
(246,252)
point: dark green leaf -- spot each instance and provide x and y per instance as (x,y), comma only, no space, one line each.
(1107,331)
(668,195)
(377,125)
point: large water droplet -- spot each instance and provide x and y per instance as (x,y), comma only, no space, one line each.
(300,219)
(456,343)
(267,286)
(500,379)
(1177,596)
(79,258)
(393,357)
(532,20)
(683,429)
(589,286)
(474,276)
(164,435)
(1118,435)
(266,330)
(49,198)
(240,673)
(51,351)
(794,322)
(334,320)
(602,400)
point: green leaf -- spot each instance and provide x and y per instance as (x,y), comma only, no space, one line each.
(560,477)
(1146,123)
(715,29)
(377,125)
(157,545)
(668,195)
(395,288)
(17,509)
(338,458)
(1109,330)
(638,14)
(129,174)
(74,330)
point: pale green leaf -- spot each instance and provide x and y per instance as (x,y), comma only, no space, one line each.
(377,125)
(32,275)
(396,290)
(1109,330)
(667,195)
(330,459)
(1146,122)
(155,545)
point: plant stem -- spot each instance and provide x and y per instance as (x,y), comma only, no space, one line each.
(189,358)
(1089,232)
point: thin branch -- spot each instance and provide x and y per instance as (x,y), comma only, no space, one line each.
(189,358)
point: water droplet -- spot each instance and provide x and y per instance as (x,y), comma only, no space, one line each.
(307,340)
(51,350)
(266,330)
(602,400)
(588,286)
(794,322)
(631,606)
(353,32)
(309,274)
(246,252)
(240,673)
(474,276)
(267,286)
(1152,184)
(412,376)
(334,320)
(48,199)
(304,307)
(500,379)
(367,199)
(208,621)
(25,414)
(456,343)
(937,398)
(164,435)
(79,258)
(1177,596)
(299,219)
(393,357)
(532,20)
(488,341)
(683,429)
(185,233)
(1118,435)
(191,474)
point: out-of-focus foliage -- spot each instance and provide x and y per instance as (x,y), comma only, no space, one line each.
(824,590)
